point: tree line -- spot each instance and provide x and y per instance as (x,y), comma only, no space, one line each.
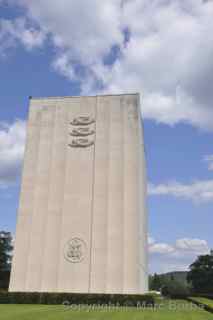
(199,279)
(5,258)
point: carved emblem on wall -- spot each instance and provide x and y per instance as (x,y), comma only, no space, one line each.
(79,143)
(81,130)
(75,250)
(82,120)
(78,132)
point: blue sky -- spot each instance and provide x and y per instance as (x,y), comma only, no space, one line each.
(121,46)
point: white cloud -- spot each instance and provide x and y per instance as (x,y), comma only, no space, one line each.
(18,31)
(193,245)
(165,59)
(183,246)
(209,160)
(166,55)
(12,141)
(85,30)
(162,248)
(178,256)
(198,191)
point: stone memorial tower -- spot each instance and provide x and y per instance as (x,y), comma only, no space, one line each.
(82,221)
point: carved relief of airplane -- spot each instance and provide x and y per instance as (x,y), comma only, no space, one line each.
(81,132)
(79,143)
(82,120)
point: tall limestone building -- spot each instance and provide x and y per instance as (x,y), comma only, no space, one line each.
(82,222)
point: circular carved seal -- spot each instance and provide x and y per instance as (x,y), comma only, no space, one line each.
(75,250)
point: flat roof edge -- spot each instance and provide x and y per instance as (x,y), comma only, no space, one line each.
(98,95)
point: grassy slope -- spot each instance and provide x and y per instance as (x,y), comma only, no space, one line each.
(41,312)
(205,301)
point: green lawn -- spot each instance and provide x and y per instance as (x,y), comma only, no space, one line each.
(205,301)
(43,312)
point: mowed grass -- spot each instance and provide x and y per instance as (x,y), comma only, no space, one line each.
(207,302)
(168,310)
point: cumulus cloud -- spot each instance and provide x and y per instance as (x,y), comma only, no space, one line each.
(18,31)
(160,48)
(162,248)
(182,246)
(168,59)
(193,245)
(166,257)
(12,141)
(85,30)
(198,191)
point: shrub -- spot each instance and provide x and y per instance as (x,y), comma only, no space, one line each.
(76,298)
(175,290)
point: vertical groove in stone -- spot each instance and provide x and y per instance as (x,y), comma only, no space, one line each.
(142,230)
(40,206)
(65,146)
(122,102)
(45,213)
(77,205)
(37,115)
(122,194)
(54,209)
(99,243)
(115,209)
(131,196)
(24,217)
(66,142)
(107,200)
(92,199)
(67,202)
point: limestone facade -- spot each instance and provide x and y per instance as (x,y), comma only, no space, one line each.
(82,221)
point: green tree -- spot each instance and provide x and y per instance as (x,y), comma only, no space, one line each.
(5,258)
(155,282)
(174,289)
(200,275)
